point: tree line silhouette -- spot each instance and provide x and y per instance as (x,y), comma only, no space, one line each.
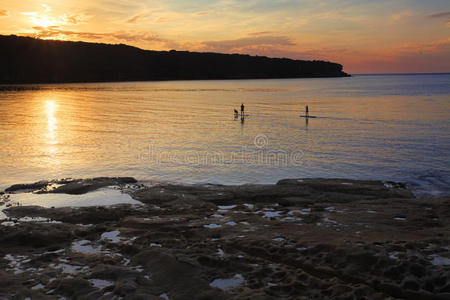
(31,60)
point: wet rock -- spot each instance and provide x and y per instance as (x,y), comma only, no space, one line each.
(420,295)
(445,289)
(71,186)
(325,239)
(77,215)
(39,236)
(211,262)
(74,287)
(78,187)
(363,260)
(391,290)
(114,273)
(365,189)
(27,186)
(417,270)
(410,284)
(169,273)
(142,297)
(125,287)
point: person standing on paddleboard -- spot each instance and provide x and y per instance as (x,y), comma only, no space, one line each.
(306,111)
(242,109)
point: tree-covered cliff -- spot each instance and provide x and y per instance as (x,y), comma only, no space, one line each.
(29,60)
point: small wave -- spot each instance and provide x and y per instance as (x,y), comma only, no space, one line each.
(432,183)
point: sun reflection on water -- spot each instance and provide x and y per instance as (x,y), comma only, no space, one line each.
(52,123)
(86,130)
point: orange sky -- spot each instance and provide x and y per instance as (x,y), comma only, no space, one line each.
(366,36)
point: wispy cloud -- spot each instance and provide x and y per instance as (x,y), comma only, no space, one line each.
(55,32)
(4,13)
(139,16)
(443,15)
(75,18)
(260,33)
(237,44)
(402,15)
(170,17)
(65,19)
(442,45)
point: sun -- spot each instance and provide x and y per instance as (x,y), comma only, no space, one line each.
(43,21)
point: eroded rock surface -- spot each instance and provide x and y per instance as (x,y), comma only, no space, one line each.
(71,186)
(298,239)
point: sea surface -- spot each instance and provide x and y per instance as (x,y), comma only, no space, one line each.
(389,127)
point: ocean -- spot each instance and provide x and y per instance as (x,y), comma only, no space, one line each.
(387,127)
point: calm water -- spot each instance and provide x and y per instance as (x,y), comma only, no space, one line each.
(371,127)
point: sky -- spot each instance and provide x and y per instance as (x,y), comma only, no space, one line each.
(365,36)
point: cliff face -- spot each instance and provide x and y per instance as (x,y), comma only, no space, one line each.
(29,60)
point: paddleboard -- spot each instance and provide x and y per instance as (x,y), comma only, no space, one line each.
(302,116)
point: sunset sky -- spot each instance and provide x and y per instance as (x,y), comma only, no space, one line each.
(382,36)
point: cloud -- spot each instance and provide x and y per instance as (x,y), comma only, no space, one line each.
(261,33)
(65,19)
(170,16)
(55,32)
(136,17)
(161,15)
(444,15)
(46,7)
(136,36)
(314,53)
(4,13)
(74,18)
(402,15)
(237,44)
(432,56)
(423,58)
(442,45)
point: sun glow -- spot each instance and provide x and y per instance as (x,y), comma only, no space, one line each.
(43,21)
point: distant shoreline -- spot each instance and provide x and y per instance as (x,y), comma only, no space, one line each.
(177,79)
(167,80)
(8,86)
(3,85)
(30,60)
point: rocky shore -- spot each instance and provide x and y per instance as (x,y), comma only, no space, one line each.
(297,239)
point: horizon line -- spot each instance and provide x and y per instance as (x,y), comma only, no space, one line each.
(414,73)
